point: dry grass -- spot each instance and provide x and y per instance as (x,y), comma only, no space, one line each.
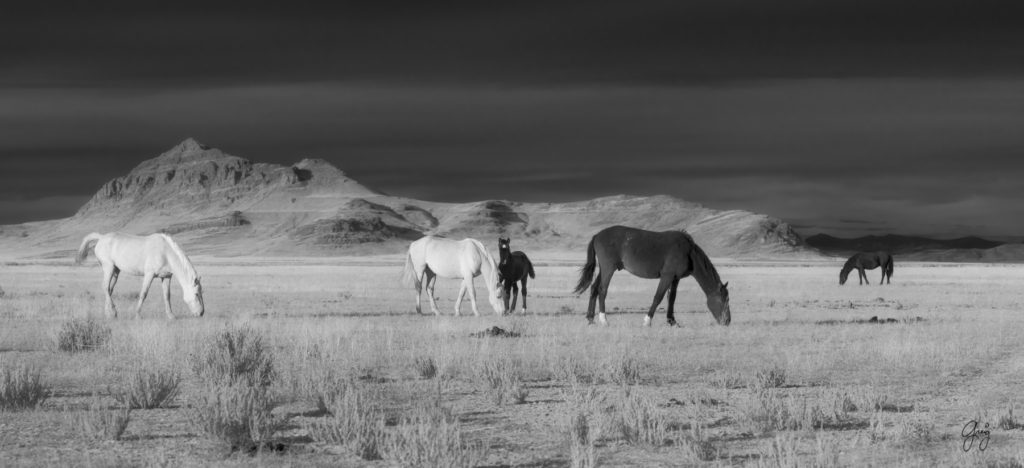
(147,388)
(21,386)
(97,422)
(356,421)
(431,436)
(502,379)
(582,425)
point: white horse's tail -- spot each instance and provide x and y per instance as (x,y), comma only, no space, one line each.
(87,245)
(409,277)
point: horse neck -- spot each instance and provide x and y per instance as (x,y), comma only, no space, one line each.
(704,272)
(850,264)
(179,263)
(487,266)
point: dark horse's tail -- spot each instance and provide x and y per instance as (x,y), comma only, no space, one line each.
(529,268)
(587,272)
(888,267)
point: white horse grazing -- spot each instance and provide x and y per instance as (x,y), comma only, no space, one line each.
(152,256)
(431,257)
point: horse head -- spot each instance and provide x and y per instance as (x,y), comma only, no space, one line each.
(503,249)
(842,276)
(194,298)
(718,303)
(497,296)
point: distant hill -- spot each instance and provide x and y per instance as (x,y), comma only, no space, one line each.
(895,244)
(220,204)
(963,249)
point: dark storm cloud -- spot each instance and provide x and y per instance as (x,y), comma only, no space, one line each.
(904,115)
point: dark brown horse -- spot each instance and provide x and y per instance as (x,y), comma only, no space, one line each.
(513,267)
(868,261)
(669,256)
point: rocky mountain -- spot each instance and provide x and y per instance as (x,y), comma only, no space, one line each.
(226,205)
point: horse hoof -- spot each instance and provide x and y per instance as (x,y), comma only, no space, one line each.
(647,321)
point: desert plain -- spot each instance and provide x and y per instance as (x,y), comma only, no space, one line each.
(802,376)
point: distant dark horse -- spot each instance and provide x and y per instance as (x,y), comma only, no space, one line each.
(513,266)
(669,255)
(868,261)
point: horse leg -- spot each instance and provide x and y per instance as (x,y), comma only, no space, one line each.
(864,274)
(515,297)
(506,286)
(166,284)
(606,279)
(109,279)
(524,293)
(420,276)
(472,294)
(458,302)
(663,285)
(431,280)
(595,288)
(672,302)
(147,281)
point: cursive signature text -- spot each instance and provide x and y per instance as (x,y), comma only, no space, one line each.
(972,434)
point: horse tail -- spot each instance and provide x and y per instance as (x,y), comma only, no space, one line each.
(888,267)
(529,268)
(88,243)
(587,272)
(409,277)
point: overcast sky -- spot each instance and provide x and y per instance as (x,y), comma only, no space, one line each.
(847,117)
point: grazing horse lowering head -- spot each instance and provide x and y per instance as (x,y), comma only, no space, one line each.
(194,297)
(843,275)
(718,303)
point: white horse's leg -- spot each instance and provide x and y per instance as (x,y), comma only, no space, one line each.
(472,294)
(420,276)
(147,281)
(109,279)
(431,280)
(166,284)
(458,302)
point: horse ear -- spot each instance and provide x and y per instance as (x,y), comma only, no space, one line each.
(726,285)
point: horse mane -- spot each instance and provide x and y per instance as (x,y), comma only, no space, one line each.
(186,264)
(486,255)
(850,263)
(703,266)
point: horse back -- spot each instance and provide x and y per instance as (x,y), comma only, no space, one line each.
(134,254)
(647,254)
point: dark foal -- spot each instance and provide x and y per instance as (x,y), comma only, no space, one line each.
(513,267)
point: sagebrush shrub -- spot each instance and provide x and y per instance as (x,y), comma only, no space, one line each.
(78,335)
(774,377)
(145,388)
(239,416)
(425,367)
(234,356)
(21,386)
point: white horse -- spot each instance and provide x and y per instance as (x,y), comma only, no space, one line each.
(431,257)
(152,256)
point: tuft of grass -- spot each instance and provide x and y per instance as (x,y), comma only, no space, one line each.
(781,452)
(502,377)
(696,448)
(726,380)
(239,416)
(899,429)
(622,370)
(582,426)
(234,357)
(21,387)
(432,436)
(146,388)
(573,370)
(98,422)
(768,411)
(425,367)
(640,421)
(1007,421)
(356,421)
(79,335)
(774,377)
